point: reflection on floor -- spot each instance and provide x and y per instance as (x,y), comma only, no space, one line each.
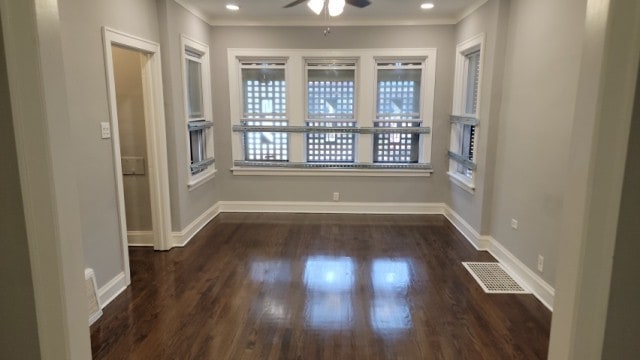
(285,286)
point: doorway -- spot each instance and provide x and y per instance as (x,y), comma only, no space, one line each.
(127,72)
(139,142)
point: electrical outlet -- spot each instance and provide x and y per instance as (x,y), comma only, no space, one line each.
(336,196)
(105,130)
(514,224)
(540,263)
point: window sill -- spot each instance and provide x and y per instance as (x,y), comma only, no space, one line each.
(201,179)
(259,171)
(463,182)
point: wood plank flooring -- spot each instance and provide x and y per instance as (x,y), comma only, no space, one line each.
(317,286)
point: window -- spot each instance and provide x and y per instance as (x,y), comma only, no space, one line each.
(264,105)
(353,112)
(464,120)
(330,104)
(198,110)
(398,103)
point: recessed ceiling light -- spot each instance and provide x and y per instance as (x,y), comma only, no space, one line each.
(233,7)
(427,6)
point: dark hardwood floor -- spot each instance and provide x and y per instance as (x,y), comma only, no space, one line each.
(303,286)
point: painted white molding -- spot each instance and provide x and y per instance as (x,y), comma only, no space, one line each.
(540,288)
(470,10)
(181,238)
(155,135)
(329,172)
(195,12)
(366,64)
(478,241)
(461,182)
(140,238)
(331,207)
(112,289)
(320,22)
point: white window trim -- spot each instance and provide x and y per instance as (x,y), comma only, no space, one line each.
(365,102)
(462,50)
(195,181)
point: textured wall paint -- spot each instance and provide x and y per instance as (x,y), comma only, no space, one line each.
(539,91)
(374,189)
(133,140)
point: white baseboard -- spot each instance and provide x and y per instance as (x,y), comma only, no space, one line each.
(140,238)
(478,241)
(181,238)
(113,288)
(540,288)
(331,207)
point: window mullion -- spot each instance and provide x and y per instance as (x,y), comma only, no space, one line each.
(295,106)
(366,105)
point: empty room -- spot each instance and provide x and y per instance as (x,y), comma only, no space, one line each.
(319,179)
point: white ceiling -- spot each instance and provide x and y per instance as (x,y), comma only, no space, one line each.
(380,12)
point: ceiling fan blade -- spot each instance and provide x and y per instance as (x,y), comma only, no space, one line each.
(359,3)
(296,2)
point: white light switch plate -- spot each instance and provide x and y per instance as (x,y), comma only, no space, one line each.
(105,129)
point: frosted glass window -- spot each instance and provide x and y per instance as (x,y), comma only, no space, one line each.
(330,94)
(398,95)
(264,93)
(396,147)
(194,89)
(266,146)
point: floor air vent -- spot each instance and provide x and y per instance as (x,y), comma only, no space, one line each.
(493,278)
(93,302)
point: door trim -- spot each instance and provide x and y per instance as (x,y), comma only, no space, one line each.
(156,139)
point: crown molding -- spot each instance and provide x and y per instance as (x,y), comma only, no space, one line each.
(335,23)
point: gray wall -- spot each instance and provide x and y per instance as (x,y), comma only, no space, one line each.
(160,21)
(186,205)
(18,326)
(539,91)
(373,189)
(86,86)
(490,19)
(622,330)
(133,139)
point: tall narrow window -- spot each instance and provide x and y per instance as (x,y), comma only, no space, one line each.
(398,105)
(467,132)
(464,120)
(330,103)
(264,105)
(198,109)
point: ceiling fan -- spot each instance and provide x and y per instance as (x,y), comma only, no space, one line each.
(334,7)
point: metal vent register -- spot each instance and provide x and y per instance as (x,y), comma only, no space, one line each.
(493,278)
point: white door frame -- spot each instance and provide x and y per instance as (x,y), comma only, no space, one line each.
(156,139)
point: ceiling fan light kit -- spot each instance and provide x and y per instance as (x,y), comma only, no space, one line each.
(316,6)
(334,7)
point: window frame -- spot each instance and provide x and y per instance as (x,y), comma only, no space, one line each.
(364,111)
(189,45)
(276,64)
(463,50)
(331,63)
(422,154)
